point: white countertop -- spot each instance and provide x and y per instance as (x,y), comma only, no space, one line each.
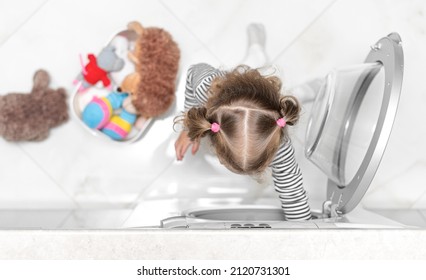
(218,244)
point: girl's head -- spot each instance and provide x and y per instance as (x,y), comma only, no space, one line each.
(246,107)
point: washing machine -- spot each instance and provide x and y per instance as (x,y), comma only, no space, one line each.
(349,125)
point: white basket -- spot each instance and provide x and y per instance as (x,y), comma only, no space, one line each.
(80,100)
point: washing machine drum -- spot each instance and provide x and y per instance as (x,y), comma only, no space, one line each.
(351,121)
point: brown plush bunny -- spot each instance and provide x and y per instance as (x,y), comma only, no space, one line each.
(156,57)
(28,117)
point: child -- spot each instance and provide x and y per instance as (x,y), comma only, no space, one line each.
(246,119)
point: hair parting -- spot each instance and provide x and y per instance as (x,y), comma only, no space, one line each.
(251,117)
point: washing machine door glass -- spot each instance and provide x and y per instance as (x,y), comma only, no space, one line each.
(351,121)
(344,118)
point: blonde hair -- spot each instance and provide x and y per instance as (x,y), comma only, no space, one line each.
(246,105)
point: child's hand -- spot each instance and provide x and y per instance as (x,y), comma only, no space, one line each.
(182,144)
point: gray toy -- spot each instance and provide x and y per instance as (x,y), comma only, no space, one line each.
(98,68)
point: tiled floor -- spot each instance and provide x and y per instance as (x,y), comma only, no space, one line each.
(74,171)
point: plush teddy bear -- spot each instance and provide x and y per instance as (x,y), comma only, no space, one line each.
(29,117)
(130,84)
(156,57)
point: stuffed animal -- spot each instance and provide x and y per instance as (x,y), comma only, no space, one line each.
(98,68)
(156,57)
(100,110)
(130,83)
(122,46)
(120,125)
(100,114)
(29,117)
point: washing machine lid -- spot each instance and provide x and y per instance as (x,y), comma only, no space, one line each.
(347,139)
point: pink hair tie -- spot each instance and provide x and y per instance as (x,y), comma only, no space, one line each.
(281,122)
(215,127)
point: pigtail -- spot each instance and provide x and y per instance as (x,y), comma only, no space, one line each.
(195,121)
(290,109)
(275,82)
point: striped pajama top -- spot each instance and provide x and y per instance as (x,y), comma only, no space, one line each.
(288,180)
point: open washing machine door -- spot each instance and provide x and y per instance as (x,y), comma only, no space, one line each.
(351,122)
(349,126)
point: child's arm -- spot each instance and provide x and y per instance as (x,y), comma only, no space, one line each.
(183,142)
(198,81)
(190,100)
(288,183)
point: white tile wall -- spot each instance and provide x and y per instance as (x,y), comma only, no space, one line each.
(73,170)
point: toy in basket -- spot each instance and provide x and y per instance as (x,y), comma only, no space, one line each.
(142,65)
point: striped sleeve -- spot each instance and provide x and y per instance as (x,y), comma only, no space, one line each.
(190,100)
(198,81)
(288,183)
